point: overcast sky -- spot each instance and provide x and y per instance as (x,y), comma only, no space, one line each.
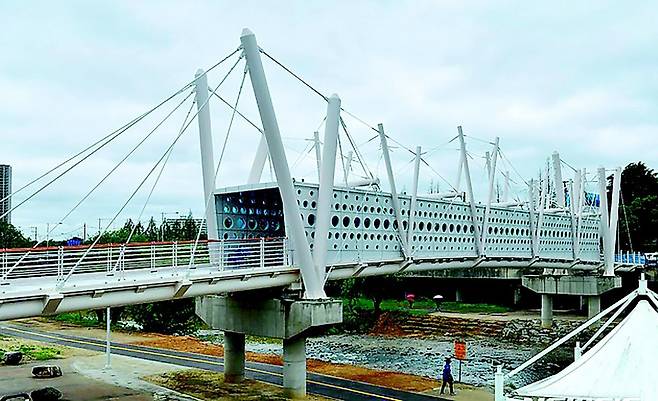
(577,77)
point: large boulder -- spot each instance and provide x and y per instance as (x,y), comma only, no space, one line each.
(46,371)
(46,394)
(15,397)
(13,358)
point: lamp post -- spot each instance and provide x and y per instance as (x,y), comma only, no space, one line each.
(48,232)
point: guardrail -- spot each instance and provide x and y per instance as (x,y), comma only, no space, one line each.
(631,258)
(61,262)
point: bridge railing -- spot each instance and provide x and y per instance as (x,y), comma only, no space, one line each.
(631,258)
(61,262)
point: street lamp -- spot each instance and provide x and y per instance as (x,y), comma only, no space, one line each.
(48,232)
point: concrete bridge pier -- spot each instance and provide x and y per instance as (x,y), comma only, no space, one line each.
(551,285)
(593,306)
(234,357)
(288,319)
(546,311)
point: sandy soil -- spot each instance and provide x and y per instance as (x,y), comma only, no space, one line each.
(382,378)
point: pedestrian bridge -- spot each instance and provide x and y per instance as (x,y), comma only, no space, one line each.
(254,253)
(295,233)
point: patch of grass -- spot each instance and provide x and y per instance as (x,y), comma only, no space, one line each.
(210,386)
(31,352)
(459,307)
(424,306)
(85,319)
(263,340)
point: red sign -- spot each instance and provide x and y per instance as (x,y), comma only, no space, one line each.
(460,350)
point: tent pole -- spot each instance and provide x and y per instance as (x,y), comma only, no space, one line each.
(571,335)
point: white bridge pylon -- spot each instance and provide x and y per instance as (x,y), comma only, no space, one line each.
(263,235)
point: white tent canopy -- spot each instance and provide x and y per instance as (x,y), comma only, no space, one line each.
(622,365)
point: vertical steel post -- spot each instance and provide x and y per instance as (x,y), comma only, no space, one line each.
(506,190)
(258,165)
(313,284)
(326,189)
(394,193)
(559,183)
(531,207)
(318,152)
(499,384)
(459,172)
(492,179)
(605,223)
(108,350)
(614,218)
(542,205)
(347,168)
(414,195)
(471,198)
(575,246)
(206,146)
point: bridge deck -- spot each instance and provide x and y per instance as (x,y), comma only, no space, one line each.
(52,280)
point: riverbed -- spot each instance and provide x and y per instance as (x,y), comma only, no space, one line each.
(419,356)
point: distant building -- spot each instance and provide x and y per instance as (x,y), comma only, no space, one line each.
(5,191)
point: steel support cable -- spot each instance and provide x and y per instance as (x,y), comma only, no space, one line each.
(70,273)
(289,71)
(340,152)
(437,174)
(365,168)
(112,135)
(155,184)
(504,157)
(97,184)
(236,111)
(219,163)
(628,229)
(157,179)
(305,83)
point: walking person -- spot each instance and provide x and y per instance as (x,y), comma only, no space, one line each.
(447,377)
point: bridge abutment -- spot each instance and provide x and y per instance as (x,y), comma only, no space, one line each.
(288,319)
(588,286)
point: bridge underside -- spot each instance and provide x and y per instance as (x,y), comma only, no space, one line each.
(28,297)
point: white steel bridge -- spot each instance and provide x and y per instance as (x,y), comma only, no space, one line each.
(295,233)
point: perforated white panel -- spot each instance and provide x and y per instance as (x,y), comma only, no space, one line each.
(363,228)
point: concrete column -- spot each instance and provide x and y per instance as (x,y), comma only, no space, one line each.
(233,357)
(546,311)
(294,367)
(593,306)
(517,296)
(459,297)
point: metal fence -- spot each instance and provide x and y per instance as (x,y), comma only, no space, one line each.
(62,262)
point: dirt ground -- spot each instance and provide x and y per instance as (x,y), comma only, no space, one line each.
(210,386)
(387,379)
(396,380)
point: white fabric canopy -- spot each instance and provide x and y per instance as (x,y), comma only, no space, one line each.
(622,365)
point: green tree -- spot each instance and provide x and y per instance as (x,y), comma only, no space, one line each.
(152,232)
(11,237)
(638,212)
(169,317)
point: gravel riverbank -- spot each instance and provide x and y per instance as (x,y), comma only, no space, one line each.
(418,356)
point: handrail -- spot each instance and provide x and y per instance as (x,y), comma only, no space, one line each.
(114,258)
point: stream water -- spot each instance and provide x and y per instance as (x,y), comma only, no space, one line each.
(423,357)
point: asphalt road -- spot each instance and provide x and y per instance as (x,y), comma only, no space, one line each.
(328,386)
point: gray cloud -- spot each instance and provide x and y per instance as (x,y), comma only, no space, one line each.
(575,77)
